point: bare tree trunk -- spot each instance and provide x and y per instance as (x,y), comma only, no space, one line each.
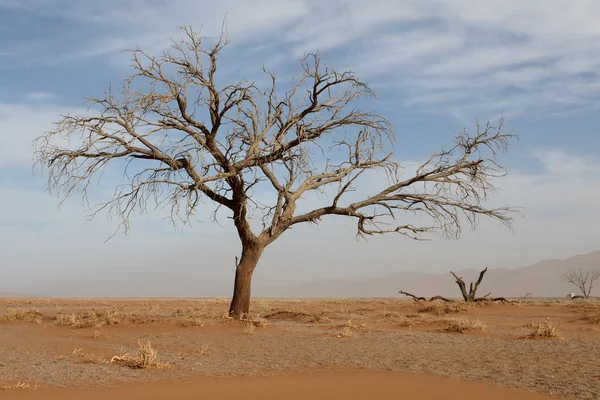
(240,303)
(471,295)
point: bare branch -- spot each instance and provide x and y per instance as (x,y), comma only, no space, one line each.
(182,138)
(584,280)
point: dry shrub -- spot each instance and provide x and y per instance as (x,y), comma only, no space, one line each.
(22,315)
(318,318)
(543,329)
(388,315)
(191,321)
(353,325)
(463,324)
(92,318)
(593,318)
(415,319)
(145,358)
(591,313)
(80,357)
(249,328)
(346,332)
(443,308)
(99,335)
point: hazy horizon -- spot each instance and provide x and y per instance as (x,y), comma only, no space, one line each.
(436,67)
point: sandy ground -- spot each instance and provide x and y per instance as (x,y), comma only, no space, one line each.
(349,385)
(349,348)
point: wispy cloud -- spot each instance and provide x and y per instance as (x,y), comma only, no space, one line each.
(464,58)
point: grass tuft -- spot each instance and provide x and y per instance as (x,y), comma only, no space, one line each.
(145,358)
(22,315)
(543,330)
(463,324)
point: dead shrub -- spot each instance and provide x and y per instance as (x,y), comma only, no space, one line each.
(92,318)
(543,329)
(249,328)
(191,321)
(145,358)
(442,308)
(463,324)
(319,318)
(346,332)
(22,315)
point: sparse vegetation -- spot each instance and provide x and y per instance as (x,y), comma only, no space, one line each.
(336,332)
(92,318)
(462,324)
(543,329)
(442,308)
(22,315)
(81,357)
(18,385)
(249,135)
(191,321)
(249,328)
(146,357)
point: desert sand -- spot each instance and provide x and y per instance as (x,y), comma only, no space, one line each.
(297,349)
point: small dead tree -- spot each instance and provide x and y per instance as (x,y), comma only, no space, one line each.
(183,138)
(583,279)
(471,294)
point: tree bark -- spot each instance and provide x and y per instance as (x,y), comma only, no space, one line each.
(470,296)
(240,303)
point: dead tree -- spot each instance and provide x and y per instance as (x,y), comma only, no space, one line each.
(471,294)
(584,280)
(183,138)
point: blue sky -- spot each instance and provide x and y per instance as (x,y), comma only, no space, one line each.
(436,66)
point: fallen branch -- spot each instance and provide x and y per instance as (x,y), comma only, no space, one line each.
(500,299)
(417,298)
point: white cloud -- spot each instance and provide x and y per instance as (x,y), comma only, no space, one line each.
(466,57)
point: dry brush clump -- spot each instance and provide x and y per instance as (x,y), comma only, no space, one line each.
(145,358)
(191,321)
(350,328)
(463,324)
(22,315)
(543,330)
(439,308)
(92,318)
(96,318)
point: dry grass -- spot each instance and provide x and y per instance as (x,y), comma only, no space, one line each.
(18,385)
(80,357)
(320,318)
(191,321)
(22,315)
(99,335)
(593,318)
(543,330)
(346,332)
(249,328)
(145,358)
(463,324)
(441,308)
(92,318)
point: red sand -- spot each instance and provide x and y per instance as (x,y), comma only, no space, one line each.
(329,385)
